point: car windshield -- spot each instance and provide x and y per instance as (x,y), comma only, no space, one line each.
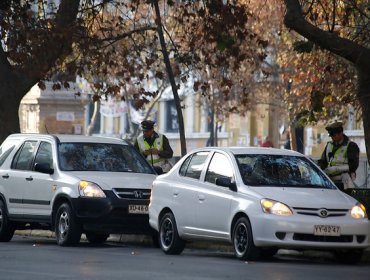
(281,171)
(101,157)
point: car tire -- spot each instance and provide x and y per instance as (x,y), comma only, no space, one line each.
(6,227)
(96,238)
(169,239)
(155,240)
(67,229)
(242,239)
(352,256)
(268,253)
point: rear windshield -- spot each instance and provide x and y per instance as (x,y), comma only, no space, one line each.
(281,171)
(101,157)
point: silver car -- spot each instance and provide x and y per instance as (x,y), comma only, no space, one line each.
(72,185)
(259,200)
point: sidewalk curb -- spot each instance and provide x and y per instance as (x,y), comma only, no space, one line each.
(224,247)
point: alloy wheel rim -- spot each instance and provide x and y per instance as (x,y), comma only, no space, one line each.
(167,233)
(63,225)
(241,239)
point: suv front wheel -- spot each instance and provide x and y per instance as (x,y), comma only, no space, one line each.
(96,238)
(67,230)
(6,228)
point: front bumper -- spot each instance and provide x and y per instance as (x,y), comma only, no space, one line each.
(111,215)
(297,232)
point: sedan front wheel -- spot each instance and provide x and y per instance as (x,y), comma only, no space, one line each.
(169,239)
(242,237)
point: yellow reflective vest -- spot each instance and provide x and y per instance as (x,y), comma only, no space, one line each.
(154,160)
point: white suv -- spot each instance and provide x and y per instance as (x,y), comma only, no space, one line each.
(73,185)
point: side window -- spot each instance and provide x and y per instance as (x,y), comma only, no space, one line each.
(184,166)
(44,154)
(6,148)
(23,157)
(219,167)
(192,167)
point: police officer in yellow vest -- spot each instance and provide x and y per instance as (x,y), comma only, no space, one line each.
(154,146)
(340,158)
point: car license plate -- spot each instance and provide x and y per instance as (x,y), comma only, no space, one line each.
(326,230)
(138,209)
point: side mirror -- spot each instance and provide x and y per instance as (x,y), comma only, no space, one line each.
(44,168)
(226,182)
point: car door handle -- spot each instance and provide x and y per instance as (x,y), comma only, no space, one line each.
(175,193)
(6,176)
(29,178)
(201,197)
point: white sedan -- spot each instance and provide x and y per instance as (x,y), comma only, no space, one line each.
(258,199)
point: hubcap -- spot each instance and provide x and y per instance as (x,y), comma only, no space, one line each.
(63,225)
(167,233)
(241,239)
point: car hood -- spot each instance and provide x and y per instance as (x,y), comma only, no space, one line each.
(110,180)
(307,197)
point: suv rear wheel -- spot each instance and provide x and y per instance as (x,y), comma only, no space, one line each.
(67,230)
(169,239)
(6,228)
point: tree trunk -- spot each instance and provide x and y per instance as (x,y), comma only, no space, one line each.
(94,118)
(17,80)
(9,105)
(171,77)
(363,94)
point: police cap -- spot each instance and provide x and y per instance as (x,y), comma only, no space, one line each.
(334,127)
(147,125)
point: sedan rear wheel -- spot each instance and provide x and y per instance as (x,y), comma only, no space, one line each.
(169,239)
(6,227)
(242,237)
(67,230)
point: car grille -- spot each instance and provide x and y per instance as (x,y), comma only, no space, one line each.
(315,238)
(139,194)
(321,212)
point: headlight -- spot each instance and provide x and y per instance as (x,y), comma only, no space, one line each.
(89,189)
(358,211)
(275,207)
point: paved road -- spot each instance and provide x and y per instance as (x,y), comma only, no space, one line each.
(29,257)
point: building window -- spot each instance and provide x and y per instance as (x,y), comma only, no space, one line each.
(172,124)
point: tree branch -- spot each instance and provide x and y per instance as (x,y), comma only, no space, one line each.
(342,47)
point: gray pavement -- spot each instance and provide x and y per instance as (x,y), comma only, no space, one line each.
(146,240)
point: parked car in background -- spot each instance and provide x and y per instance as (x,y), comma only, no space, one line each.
(258,199)
(72,185)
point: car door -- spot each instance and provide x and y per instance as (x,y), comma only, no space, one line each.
(39,191)
(184,191)
(18,177)
(213,201)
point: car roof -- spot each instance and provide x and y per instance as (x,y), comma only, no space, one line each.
(64,138)
(250,150)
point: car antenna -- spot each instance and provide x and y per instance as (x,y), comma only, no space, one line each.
(46,129)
